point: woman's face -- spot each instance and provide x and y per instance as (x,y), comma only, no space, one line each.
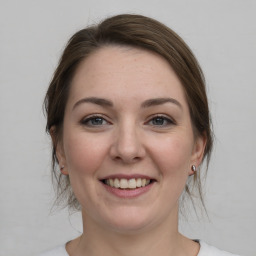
(127,142)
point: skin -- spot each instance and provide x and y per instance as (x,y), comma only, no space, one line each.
(127,138)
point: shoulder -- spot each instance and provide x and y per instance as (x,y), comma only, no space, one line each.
(208,250)
(57,251)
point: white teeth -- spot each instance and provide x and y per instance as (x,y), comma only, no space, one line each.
(132,183)
(138,183)
(111,182)
(116,183)
(127,184)
(123,183)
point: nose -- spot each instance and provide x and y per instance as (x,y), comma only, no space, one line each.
(127,147)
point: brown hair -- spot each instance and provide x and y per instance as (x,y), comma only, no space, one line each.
(136,31)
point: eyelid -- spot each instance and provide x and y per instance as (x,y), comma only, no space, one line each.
(169,119)
(92,116)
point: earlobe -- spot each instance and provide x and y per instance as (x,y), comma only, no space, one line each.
(63,171)
(58,150)
(61,159)
(198,153)
(193,170)
(60,154)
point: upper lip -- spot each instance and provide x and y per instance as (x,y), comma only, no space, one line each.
(127,176)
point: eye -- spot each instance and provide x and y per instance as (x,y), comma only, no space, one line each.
(160,121)
(94,121)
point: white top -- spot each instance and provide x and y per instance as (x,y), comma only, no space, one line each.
(205,250)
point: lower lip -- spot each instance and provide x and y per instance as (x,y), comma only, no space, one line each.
(128,193)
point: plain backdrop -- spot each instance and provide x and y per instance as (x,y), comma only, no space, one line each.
(222,34)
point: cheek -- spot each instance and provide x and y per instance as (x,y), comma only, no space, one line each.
(84,156)
(173,155)
(173,162)
(83,153)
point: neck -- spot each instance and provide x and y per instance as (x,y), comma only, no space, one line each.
(163,239)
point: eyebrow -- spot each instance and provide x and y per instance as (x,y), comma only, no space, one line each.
(160,101)
(147,103)
(94,100)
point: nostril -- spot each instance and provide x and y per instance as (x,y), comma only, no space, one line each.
(126,159)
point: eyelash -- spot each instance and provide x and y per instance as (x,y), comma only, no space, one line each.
(86,121)
(166,121)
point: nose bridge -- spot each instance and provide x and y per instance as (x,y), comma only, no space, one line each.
(128,146)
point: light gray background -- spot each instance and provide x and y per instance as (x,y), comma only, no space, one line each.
(222,34)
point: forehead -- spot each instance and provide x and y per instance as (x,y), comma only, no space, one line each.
(125,72)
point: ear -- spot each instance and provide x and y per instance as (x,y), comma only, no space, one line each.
(198,152)
(58,146)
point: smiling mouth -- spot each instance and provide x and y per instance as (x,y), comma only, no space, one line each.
(127,183)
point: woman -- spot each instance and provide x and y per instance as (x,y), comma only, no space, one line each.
(128,115)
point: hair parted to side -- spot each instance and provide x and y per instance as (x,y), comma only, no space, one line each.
(134,31)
